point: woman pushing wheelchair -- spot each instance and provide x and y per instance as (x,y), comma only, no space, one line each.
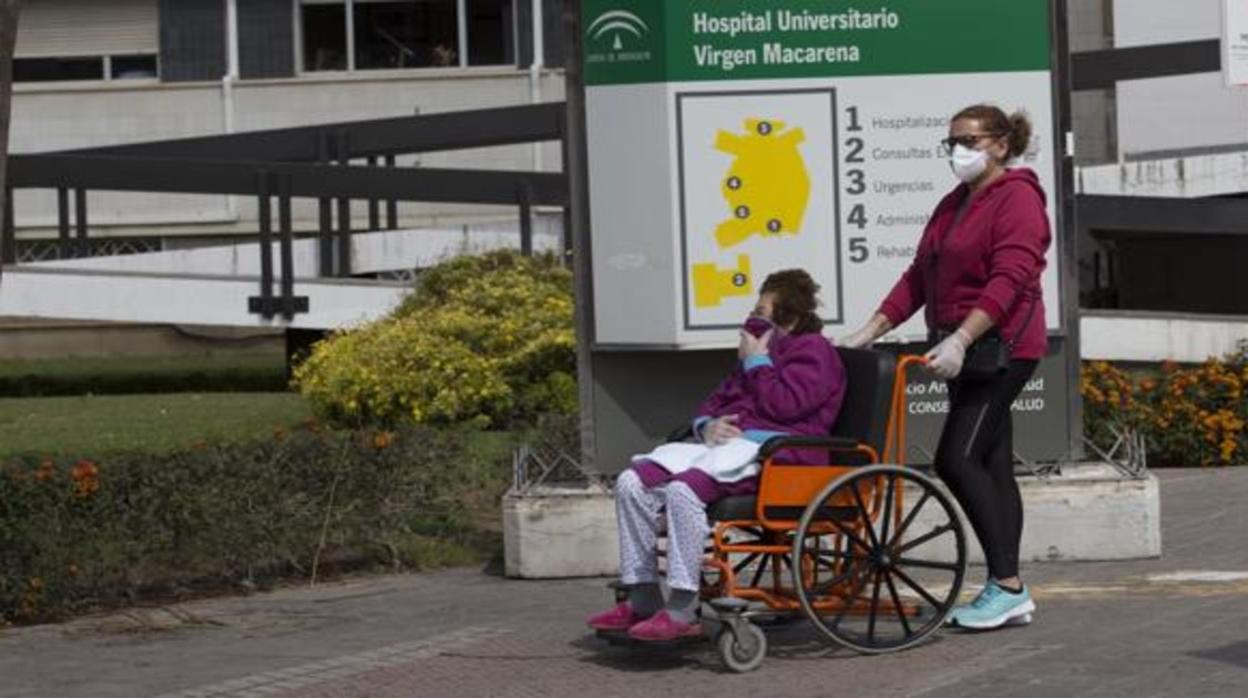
(977,271)
(789,381)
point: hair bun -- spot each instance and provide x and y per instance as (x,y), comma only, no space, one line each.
(1020,133)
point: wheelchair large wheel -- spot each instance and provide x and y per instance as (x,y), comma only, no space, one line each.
(882,558)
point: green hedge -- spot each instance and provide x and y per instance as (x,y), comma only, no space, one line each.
(130,376)
(76,534)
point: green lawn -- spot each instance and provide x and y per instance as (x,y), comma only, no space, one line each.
(97,425)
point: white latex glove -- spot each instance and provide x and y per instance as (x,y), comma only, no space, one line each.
(945,359)
(858,340)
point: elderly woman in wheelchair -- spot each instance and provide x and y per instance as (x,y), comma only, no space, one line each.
(789,381)
(794,468)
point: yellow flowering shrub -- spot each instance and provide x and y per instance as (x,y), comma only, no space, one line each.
(1108,401)
(484,339)
(1193,415)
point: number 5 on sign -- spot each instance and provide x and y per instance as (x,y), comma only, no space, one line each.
(858,252)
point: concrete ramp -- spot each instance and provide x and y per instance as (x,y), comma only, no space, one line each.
(212,285)
(370,252)
(82,294)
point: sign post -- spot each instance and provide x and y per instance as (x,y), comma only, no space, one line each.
(728,140)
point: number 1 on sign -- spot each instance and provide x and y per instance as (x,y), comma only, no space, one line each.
(853,119)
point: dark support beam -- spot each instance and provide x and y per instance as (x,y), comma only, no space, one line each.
(80,221)
(286,230)
(480,128)
(8,230)
(265,214)
(325,231)
(566,245)
(1101,70)
(307,180)
(374,205)
(1142,215)
(64,247)
(325,237)
(341,155)
(268,184)
(526,221)
(1067,241)
(392,206)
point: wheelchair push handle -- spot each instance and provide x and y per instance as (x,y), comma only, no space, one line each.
(895,436)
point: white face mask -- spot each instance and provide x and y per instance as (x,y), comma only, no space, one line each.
(968,164)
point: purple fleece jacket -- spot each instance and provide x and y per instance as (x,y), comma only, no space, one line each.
(796,389)
(991,261)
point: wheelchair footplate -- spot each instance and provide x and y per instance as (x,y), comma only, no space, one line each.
(621,638)
(740,643)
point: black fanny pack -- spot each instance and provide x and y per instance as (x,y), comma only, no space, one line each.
(986,358)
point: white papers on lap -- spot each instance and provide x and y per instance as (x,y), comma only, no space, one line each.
(730,461)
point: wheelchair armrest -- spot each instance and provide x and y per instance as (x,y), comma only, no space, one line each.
(831,443)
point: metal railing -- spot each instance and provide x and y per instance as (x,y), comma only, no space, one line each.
(306,162)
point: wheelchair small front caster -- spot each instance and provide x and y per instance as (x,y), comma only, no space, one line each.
(742,645)
(742,648)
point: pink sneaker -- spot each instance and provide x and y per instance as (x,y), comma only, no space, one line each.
(661,627)
(621,617)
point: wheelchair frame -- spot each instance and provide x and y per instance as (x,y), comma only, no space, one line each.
(834,529)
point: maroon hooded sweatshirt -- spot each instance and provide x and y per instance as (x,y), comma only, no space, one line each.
(991,260)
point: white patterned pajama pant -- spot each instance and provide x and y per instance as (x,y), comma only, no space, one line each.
(638,511)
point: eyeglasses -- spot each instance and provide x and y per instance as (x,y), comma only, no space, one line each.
(966,140)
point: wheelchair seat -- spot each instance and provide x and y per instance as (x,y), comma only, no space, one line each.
(735,508)
(863,419)
(743,507)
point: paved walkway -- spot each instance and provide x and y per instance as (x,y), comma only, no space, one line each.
(1166,627)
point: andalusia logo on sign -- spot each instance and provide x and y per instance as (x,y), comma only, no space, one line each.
(617,36)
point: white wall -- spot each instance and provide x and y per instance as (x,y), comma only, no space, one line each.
(1124,335)
(1185,112)
(1143,22)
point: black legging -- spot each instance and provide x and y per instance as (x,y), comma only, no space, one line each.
(976,459)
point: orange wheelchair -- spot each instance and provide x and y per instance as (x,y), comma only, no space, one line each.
(870,551)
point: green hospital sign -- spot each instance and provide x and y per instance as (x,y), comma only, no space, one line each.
(642,41)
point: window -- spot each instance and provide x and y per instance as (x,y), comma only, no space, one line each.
(405,34)
(491,32)
(324,37)
(132,67)
(57,69)
(50,69)
(387,34)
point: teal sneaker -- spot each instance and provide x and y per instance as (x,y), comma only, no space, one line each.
(994,608)
(952,619)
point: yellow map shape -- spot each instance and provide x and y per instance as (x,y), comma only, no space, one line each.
(767,186)
(712,285)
